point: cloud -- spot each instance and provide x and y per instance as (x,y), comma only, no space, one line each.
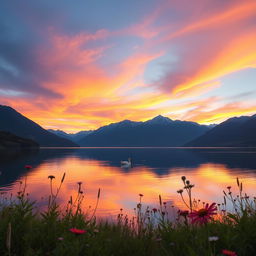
(74,71)
(203,115)
(209,48)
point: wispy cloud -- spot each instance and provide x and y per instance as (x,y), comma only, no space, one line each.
(74,71)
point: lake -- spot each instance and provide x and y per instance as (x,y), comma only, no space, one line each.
(154,172)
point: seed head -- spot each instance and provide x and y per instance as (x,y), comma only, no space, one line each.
(51,177)
(183,178)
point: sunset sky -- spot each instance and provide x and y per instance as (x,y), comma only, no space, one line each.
(78,65)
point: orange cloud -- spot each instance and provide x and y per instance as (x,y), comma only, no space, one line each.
(203,115)
(233,58)
(232,14)
(99,80)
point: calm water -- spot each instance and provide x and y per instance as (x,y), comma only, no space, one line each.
(155,171)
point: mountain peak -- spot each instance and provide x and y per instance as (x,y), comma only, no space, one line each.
(4,107)
(237,119)
(124,123)
(159,117)
(160,120)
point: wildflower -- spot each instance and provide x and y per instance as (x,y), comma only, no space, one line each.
(229,187)
(183,178)
(154,210)
(77,231)
(140,195)
(51,177)
(138,206)
(212,238)
(202,216)
(180,191)
(229,253)
(28,167)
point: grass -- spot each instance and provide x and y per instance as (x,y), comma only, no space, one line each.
(26,231)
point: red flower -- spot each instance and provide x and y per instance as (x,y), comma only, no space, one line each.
(140,195)
(77,231)
(203,215)
(28,167)
(228,253)
(154,210)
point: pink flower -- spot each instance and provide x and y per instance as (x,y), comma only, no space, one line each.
(77,231)
(28,167)
(202,216)
(228,253)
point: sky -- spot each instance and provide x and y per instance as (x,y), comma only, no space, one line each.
(78,65)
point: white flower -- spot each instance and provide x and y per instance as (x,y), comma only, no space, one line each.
(213,238)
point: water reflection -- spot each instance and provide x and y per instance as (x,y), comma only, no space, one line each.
(154,172)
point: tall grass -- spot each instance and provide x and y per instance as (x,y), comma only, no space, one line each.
(159,231)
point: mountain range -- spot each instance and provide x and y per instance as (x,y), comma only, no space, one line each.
(234,132)
(157,132)
(17,124)
(75,137)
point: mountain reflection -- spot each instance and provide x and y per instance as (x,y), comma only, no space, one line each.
(155,171)
(161,161)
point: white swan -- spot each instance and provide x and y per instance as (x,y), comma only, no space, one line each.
(126,163)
